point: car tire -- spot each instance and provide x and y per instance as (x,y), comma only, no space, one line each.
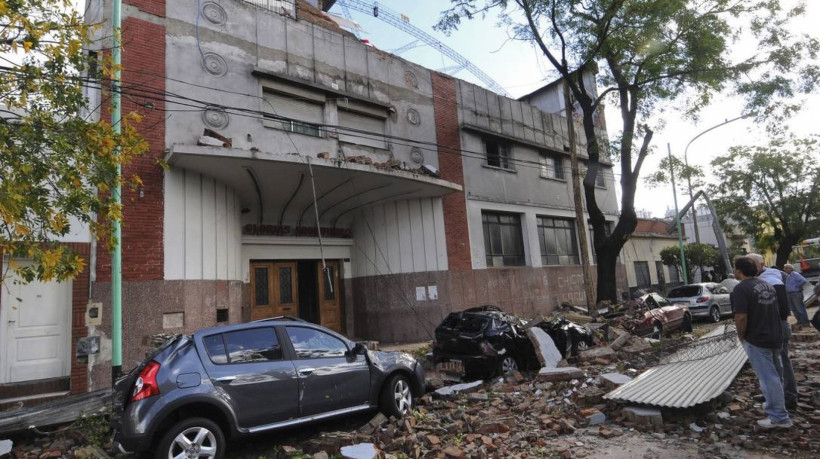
(657,330)
(507,365)
(397,397)
(199,434)
(714,314)
(687,323)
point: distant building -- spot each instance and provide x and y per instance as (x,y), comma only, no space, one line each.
(641,255)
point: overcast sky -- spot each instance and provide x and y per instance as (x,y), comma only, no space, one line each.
(520,69)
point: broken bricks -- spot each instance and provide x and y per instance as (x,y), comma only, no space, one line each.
(640,415)
(559,374)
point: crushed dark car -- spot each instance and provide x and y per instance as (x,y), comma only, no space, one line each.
(484,341)
(220,383)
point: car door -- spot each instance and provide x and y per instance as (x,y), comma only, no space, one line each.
(721,295)
(330,378)
(258,382)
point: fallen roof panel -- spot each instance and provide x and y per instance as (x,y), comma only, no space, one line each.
(685,383)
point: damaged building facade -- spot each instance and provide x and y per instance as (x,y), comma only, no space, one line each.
(432,194)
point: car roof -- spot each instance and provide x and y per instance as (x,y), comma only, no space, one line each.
(279,320)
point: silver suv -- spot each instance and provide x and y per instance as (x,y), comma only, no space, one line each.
(224,382)
(706,299)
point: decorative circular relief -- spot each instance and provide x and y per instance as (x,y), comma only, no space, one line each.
(416,155)
(410,79)
(215,117)
(214,13)
(214,64)
(413,116)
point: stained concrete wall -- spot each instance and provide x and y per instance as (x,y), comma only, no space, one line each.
(387,309)
(202,228)
(400,237)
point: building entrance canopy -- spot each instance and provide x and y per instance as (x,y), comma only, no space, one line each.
(276,188)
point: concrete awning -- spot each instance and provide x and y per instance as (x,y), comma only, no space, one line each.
(282,181)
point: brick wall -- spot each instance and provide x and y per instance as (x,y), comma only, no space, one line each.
(452,169)
(155,7)
(79,300)
(143,60)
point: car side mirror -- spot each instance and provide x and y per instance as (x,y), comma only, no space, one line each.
(358,349)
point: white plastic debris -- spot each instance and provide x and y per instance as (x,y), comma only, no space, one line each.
(5,447)
(695,428)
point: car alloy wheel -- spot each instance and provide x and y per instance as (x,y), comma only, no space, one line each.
(508,365)
(397,397)
(192,438)
(714,313)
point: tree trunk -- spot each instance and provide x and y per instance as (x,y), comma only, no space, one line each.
(785,249)
(607,280)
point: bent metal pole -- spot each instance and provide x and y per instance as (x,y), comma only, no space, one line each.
(116,255)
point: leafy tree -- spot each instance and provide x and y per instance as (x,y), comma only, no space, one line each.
(55,166)
(772,191)
(696,255)
(647,54)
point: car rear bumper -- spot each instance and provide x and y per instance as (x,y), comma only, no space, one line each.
(472,364)
(700,310)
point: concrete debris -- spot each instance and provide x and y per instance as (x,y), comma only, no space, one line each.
(205,141)
(5,446)
(604,354)
(622,339)
(613,380)
(643,415)
(545,349)
(464,388)
(559,374)
(361,451)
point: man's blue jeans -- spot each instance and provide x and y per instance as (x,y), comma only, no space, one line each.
(784,366)
(764,364)
(798,307)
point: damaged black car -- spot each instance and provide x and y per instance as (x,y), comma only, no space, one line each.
(484,341)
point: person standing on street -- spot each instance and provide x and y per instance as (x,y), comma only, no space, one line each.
(774,277)
(757,317)
(794,290)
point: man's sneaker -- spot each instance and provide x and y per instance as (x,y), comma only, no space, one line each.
(759,398)
(791,404)
(768,424)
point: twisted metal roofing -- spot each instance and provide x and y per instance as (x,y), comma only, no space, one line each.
(685,383)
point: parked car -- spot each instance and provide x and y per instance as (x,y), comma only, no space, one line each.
(224,382)
(484,341)
(655,315)
(706,299)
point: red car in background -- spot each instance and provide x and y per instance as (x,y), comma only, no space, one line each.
(653,315)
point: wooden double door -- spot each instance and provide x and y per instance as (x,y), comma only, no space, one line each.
(297,288)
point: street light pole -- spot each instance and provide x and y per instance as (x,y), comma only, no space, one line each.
(677,217)
(688,176)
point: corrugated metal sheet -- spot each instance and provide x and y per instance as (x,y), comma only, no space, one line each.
(684,384)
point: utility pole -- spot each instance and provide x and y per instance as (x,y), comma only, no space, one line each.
(580,221)
(677,217)
(116,255)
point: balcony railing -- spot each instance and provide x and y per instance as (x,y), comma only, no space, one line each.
(277,6)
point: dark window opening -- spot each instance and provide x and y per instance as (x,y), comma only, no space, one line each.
(503,240)
(559,245)
(498,154)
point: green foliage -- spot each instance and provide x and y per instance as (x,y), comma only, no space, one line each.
(772,192)
(696,255)
(645,55)
(56,167)
(682,173)
(95,428)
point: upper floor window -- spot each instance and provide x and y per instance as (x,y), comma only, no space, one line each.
(498,152)
(559,245)
(293,114)
(552,166)
(503,241)
(600,180)
(361,129)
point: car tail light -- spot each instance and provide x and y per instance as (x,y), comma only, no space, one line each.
(146,384)
(487,348)
(702,299)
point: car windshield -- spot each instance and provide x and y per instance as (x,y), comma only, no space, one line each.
(685,291)
(466,322)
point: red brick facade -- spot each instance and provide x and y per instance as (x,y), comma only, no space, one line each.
(455,206)
(79,301)
(155,7)
(143,209)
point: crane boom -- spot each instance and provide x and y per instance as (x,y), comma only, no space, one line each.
(398,22)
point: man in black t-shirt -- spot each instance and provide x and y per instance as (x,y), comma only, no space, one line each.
(757,317)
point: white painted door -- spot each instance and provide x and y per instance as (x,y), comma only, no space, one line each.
(35,320)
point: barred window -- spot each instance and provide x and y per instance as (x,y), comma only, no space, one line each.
(498,152)
(503,241)
(552,166)
(290,113)
(559,245)
(642,278)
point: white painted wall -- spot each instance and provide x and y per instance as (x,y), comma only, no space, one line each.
(399,237)
(646,248)
(202,228)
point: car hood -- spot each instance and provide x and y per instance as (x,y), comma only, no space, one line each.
(385,360)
